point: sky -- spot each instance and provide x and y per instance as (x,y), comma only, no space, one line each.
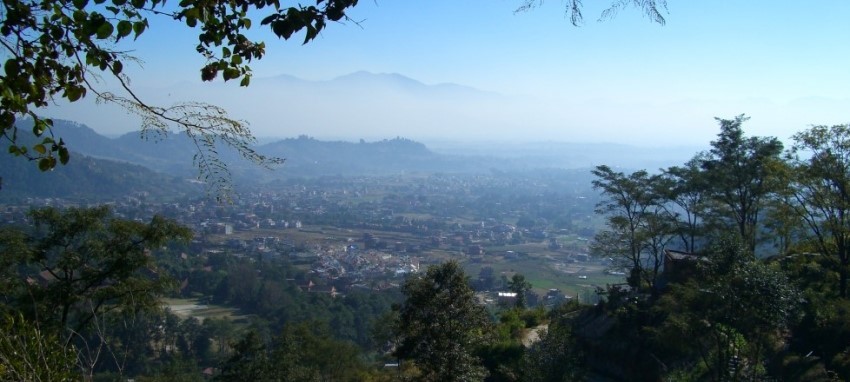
(622,80)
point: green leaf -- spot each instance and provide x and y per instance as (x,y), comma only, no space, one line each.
(73,93)
(230,73)
(124,28)
(269,19)
(105,30)
(64,156)
(11,67)
(45,164)
(311,33)
(79,16)
(119,2)
(39,127)
(39,148)
(139,27)
(117,67)
(92,59)
(283,28)
(7,119)
(80,4)
(192,13)
(236,60)
(245,81)
(137,3)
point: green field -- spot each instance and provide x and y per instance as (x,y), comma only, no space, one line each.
(544,275)
(192,307)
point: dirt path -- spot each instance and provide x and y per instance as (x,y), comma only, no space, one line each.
(533,335)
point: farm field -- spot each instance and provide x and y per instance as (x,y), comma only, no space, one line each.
(193,307)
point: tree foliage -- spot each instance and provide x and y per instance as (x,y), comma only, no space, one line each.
(652,9)
(80,263)
(28,353)
(732,312)
(821,191)
(519,285)
(742,174)
(303,352)
(638,222)
(440,325)
(70,279)
(556,357)
(686,188)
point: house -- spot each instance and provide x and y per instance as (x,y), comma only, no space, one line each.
(506,298)
(311,287)
(679,265)
(475,250)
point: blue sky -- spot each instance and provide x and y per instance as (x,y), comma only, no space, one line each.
(784,63)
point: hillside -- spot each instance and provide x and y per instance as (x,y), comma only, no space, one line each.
(307,156)
(88,178)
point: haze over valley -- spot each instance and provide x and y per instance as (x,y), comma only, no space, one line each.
(375,106)
(458,191)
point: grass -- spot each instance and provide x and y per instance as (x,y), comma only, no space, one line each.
(542,269)
(191,307)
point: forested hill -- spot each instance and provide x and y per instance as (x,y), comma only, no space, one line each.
(306,156)
(309,156)
(87,178)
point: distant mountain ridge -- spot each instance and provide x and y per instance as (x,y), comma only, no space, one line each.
(172,153)
(167,159)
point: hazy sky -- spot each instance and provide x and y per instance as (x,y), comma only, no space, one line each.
(785,63)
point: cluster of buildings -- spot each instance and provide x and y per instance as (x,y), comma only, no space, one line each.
(459,215)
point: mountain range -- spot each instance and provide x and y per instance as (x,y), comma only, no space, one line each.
(162,164)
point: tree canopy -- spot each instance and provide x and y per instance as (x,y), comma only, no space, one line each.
(81,262)
(440,325)
(820,186)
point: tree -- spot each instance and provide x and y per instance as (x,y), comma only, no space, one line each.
(742,174)
(638,223)
(249,362)
(729,316)
(658,230)
(303,352)
(75,280)
(57,48)
(29,354)
(820,160)
(440,326)
(652,9)
(486,278)
(556,357)
(82,263)
(520,286)
(687,189)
